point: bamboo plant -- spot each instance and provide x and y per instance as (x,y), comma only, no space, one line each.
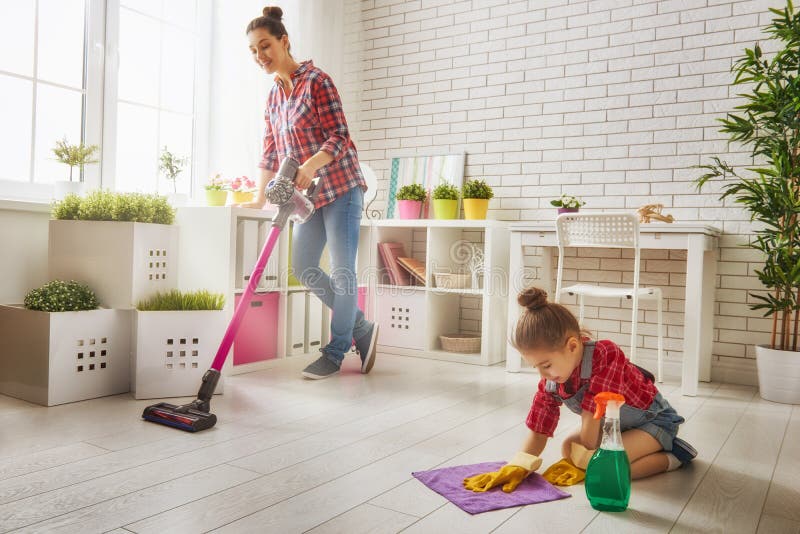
(768,123)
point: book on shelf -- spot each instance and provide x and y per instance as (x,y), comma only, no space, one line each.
(389,252)
(414,267)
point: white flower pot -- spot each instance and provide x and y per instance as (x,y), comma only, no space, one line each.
(778,374)
(122,262)
(62,188)
(172,351)
(59,357)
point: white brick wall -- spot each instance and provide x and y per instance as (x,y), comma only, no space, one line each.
(614,100)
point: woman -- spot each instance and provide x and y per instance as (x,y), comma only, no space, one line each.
(304,120)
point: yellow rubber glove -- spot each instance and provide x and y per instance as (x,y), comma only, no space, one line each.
(510,475)
(580,455)
(564,473)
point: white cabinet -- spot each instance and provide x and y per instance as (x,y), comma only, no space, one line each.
(412,318)
(296,323)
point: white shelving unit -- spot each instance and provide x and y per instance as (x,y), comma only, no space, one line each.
(413,317)
(218,248)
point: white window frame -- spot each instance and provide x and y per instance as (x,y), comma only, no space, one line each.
(101,64)
(92,126)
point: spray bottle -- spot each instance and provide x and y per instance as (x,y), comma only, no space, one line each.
(608,475)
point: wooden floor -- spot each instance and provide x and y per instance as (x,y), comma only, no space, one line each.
(292,455)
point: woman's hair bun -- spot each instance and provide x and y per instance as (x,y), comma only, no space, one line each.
(532,298)
(273,12)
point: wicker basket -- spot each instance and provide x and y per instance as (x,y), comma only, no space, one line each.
(452,280)
(469,343)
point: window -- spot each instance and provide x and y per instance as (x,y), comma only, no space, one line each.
(115,73)
(158,60)
(46,91)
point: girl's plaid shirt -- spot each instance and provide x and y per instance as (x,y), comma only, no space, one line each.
(611,371)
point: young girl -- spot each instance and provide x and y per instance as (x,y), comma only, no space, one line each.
(305,120)
(573,371)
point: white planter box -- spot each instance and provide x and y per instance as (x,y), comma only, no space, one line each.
(172,351)
(122,262)
(55,358)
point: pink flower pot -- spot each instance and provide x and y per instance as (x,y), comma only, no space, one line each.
(409,209)
(567,210)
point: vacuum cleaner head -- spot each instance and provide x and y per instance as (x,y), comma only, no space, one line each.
(184,417)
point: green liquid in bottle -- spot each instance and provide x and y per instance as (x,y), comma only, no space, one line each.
(608,480)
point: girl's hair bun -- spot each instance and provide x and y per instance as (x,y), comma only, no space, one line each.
(533,298)
(273,12)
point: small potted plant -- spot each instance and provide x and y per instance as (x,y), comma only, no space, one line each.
(216,195)
(60,347)
(476,195)
(74,156)
(445,201)
(409,200)
(241,188)
(176,336)
(567,204)
(171,166)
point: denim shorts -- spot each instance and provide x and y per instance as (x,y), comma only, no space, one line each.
(660,420)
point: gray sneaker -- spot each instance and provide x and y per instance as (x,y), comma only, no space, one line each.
(322,367)
(367,347)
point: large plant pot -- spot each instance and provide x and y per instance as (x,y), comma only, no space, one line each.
(123,262)
(778,374)
(172,351)
(476,208)
(445,208)
(409,209)
(55,358)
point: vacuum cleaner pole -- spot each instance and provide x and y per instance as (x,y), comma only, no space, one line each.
(197,414)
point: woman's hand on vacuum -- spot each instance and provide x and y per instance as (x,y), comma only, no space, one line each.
(304,177)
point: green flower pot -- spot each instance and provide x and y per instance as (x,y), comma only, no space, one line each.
(216,198)
(444,208)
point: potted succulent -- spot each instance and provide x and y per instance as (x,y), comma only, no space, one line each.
(73,156)
(567,204)
(768,123)
(59,347)
(242,189)
(476,195)
(445,201)
(409,200)
(176,336)
(216,195)
(123,243)
(171,166)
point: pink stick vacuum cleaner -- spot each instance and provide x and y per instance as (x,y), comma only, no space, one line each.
(294,206)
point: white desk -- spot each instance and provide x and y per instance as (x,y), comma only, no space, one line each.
(700,242)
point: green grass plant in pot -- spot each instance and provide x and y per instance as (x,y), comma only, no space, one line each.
(476,195)
(567,204)
(409,200)
(768,124)
(445,201)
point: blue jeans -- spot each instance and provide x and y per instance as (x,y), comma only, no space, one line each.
(338,225)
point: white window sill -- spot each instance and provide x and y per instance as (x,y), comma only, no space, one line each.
(24,205)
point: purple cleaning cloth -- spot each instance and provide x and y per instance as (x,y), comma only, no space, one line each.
(448,482)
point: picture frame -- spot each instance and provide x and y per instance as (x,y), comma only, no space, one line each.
(429,170)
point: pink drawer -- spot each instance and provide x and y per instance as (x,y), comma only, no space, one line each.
(257,339)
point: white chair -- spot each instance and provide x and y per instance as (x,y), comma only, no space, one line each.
(607,230)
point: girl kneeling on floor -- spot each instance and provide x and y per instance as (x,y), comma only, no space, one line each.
(573,371)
